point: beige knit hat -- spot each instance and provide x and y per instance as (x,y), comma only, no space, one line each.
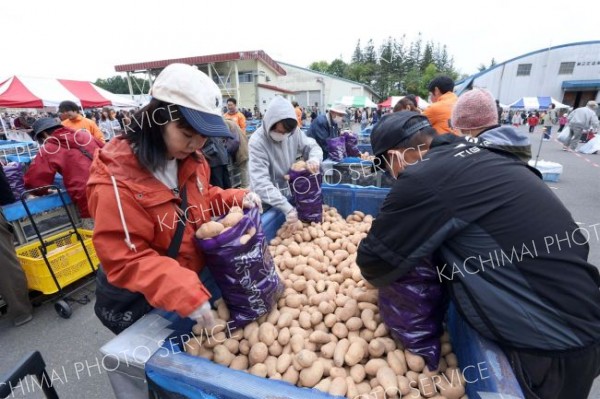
(475,109)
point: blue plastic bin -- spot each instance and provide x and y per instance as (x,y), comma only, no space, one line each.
(482,362)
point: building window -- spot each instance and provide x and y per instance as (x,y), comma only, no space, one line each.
(245,77)
(566,68)
(524,70)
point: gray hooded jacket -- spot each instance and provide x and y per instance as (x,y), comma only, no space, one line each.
(270,161)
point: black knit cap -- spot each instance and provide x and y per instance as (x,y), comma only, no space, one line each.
(390,131)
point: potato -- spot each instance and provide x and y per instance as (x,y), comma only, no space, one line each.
(373,365)
(259,370)
(309,377)
(271,363)
(323,385)
(338,386)
(404,385)
(236,209)
(258,353)
(306,358)
(376,348)
(231,219)
(328,350)
(358,373)
(291,375)
(397,362)
(354,324)
(245,238)
(414,362)
(244,347)
(355,353)
(240,362)
(284,336)
(297,343)
(275,349)
(209,230)
(340,330)
(388,380)
(267,333)
(340,352)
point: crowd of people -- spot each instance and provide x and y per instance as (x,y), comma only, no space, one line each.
(475,196)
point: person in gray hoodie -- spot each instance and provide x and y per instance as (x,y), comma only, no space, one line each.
(273,148)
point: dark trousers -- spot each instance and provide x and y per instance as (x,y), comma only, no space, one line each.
(568,376)
(531,127)
(13,283)
(547,132)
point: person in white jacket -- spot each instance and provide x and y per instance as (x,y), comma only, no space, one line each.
(273,148)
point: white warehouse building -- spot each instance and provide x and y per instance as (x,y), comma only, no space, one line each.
(570,73)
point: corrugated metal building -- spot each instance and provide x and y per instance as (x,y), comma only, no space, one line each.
(569,72)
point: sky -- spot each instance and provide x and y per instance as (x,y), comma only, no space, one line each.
(85,40)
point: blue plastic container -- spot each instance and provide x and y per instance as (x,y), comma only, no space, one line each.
(481,361)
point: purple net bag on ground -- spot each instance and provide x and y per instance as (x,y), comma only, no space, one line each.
(14,174)
(336,148)
(245,273)
(351,144)
(308,197)
(413,308)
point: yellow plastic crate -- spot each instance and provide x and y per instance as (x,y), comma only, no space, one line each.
(66,257)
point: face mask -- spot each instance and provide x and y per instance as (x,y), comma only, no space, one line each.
(338,120)
(278,136)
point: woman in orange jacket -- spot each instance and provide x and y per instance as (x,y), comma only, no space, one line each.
(135,186)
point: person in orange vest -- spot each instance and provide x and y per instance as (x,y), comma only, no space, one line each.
(69,114)
(443,100)
(235,115)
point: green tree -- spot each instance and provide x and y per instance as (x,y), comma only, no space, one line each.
(118,85)
(338,68)
(369,53)
(320,66)
(357,56)
(427,58)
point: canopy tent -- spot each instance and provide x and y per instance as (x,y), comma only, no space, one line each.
(27,92)
(356,102)
(392,101)
(536,103)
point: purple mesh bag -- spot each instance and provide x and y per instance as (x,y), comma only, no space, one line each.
(413,308)
(245,273)
(351,144)
(308,197)
(336,148)
(14,174)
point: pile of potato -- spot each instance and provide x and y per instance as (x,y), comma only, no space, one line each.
(326,332)
(213,228)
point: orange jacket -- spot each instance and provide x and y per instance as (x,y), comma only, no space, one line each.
(440,112)
(298,115)
(133,251)
(238,118)
(84,123)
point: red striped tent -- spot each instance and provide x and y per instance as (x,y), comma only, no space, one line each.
(27,92)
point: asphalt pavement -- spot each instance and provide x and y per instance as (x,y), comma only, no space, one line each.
(70,347)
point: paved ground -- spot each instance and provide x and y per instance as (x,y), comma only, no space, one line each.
(70,347)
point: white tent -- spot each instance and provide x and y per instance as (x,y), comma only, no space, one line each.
(535,103)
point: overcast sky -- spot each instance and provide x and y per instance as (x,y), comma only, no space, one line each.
(85,40)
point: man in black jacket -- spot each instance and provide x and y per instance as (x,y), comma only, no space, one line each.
(13,284)
(513,259)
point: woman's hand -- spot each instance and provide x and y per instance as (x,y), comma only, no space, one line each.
(252,200)
(203,316)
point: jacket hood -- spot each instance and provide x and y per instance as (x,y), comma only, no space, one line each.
(278,109)
(64,138)
(508,139)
